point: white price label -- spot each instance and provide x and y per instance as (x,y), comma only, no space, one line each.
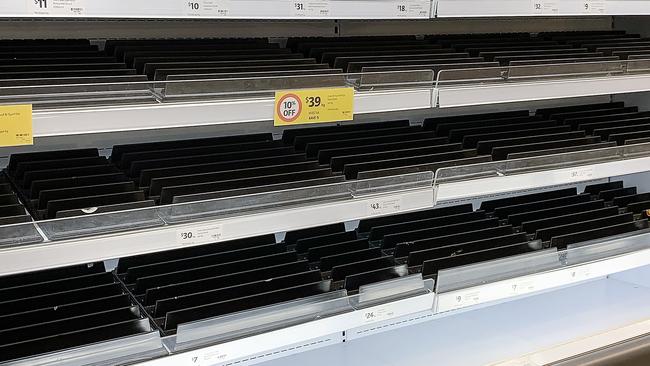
(397,309)
(585,173)
(545,7)
(309,8)
(580,273)
(56,7)
(377,313)
(460,300)
(522,287)
(384,207)
(207,8)
(199,235)
(411,9)
(594,7)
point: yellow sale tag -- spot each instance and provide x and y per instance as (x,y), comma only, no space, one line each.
(16,125)
(313,106)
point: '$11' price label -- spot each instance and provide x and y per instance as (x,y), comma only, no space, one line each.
(56,7)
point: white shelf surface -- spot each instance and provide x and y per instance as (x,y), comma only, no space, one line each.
(317,9)
(414,319)
(507,289)
(607,310)
(221,9)
(493,8)
(169,115)
(89,120)
(296,339)
(103,247)
(544,178)
(513,91)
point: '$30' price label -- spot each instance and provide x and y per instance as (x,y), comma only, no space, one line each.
(199,235)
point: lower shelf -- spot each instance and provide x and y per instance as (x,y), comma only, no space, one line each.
(612,289)
(595,309)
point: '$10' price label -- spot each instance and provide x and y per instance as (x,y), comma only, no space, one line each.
(208,8)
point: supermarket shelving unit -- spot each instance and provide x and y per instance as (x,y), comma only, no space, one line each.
(509,286)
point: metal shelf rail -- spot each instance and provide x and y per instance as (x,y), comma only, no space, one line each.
(492,8)
(319,9)
(64,110)
(222,9)
(546,271)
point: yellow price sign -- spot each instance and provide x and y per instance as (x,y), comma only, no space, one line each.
(313,106)
(16,125)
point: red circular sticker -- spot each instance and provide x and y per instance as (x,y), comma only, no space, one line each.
(289,108)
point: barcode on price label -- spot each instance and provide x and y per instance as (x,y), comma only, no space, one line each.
(207,8)
(56,7)
(309,8)
(199,235)
(384,207)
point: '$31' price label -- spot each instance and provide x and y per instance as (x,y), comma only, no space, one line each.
(310,8)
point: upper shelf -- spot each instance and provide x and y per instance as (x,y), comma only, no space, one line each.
(222,9)
(65,110)
(319,9)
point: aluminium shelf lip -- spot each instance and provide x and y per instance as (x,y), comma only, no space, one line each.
(513,91)
(581,172)
(250,9)
(550,8)
(51,254)
(298,338)
(136,117)
(74,121)
(497,291)
(336,9)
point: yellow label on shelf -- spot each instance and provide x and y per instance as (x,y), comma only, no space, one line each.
(296,107)
(16,125)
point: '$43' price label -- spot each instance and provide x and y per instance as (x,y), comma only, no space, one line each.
(313,106)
